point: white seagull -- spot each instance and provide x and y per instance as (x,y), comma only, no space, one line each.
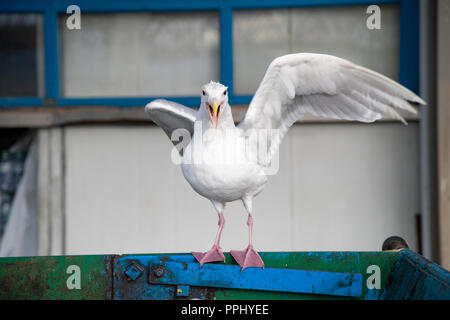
(294,85)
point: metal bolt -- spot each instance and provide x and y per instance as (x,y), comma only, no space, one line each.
(134,270)
(158,272)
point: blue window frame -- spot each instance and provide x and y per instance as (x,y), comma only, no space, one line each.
(50,9)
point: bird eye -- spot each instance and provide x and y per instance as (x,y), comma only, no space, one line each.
(203,92)
(225,93)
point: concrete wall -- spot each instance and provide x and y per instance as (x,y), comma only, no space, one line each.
(339,187)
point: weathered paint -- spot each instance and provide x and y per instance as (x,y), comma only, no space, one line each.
(183,291)
(46,277)
(275,279)
(140,289)
(134,270)
(416,278)
(348,262)
(385,275)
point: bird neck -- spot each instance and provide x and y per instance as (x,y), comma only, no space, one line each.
(226,118)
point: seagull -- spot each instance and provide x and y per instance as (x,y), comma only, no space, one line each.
(293,86)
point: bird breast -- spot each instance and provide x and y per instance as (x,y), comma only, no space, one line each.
(219,168)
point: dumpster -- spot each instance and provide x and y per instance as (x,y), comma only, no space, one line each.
(387,275)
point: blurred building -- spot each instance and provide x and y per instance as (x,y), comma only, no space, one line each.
(104,179)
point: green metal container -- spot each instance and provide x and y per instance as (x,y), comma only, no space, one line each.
(287,275)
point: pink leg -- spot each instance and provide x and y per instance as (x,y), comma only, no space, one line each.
(214,254)
(248,257)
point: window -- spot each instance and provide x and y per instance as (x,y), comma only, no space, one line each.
(130,52)
(262,35)
(140,54)
(21,55)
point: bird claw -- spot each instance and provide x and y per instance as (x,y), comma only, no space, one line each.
(247,258)
(214,254)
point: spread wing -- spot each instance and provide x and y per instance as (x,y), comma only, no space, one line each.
(325,86)
(171,116)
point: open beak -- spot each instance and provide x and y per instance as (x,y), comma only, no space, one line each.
(214,114)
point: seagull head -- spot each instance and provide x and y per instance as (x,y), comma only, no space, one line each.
(214,102)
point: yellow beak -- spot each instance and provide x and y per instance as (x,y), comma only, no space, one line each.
(216,115)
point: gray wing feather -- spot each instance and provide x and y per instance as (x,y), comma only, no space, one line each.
(171,116)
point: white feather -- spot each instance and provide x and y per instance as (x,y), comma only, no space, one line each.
(324,86)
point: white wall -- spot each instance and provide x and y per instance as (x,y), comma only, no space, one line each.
(339,187)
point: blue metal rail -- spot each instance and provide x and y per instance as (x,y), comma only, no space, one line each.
(264,279)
